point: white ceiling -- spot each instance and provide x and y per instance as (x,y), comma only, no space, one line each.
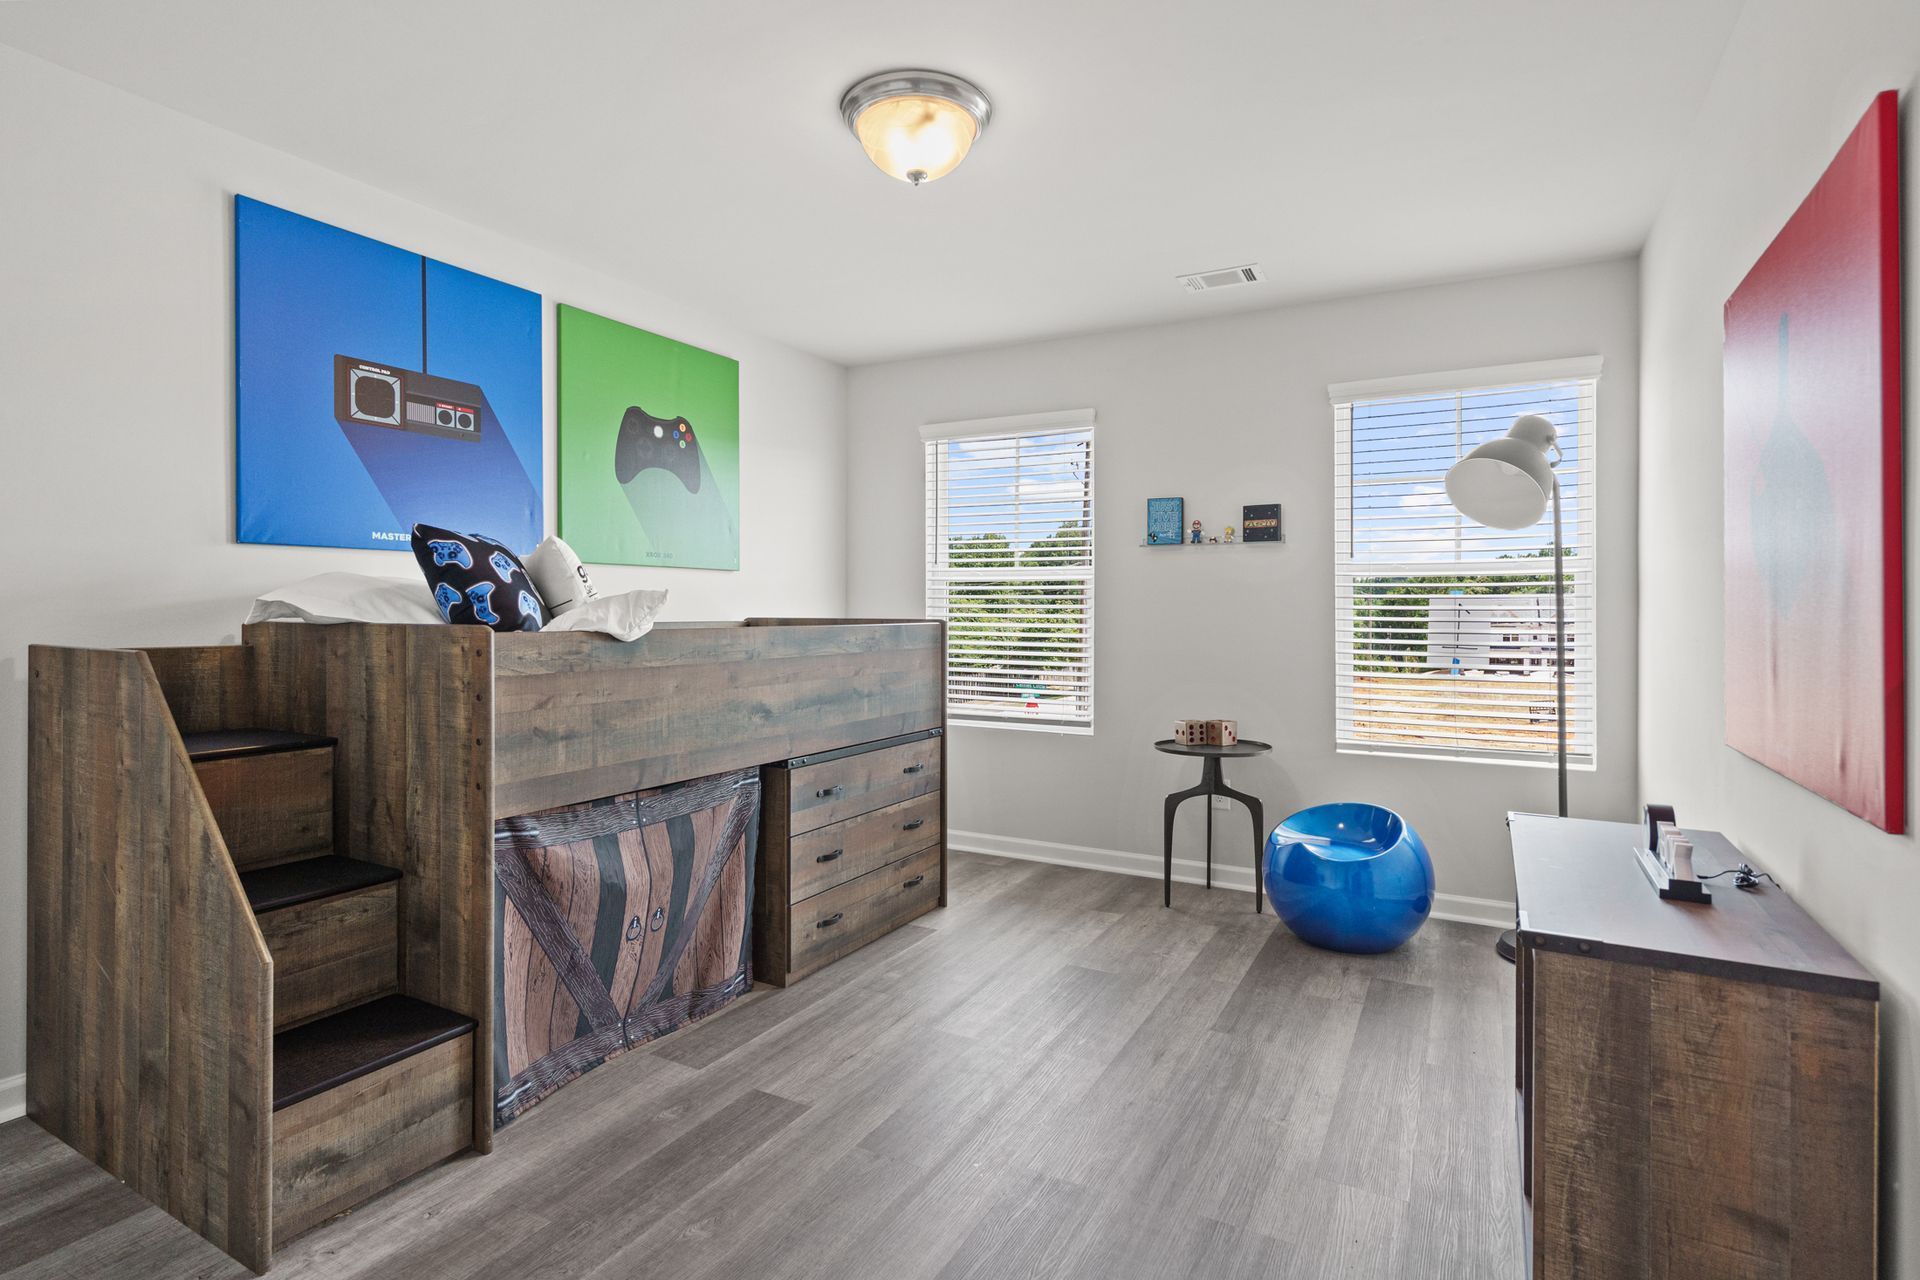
(697,148)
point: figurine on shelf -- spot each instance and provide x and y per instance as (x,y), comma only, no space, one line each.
(1196,533)
(1213,542)
(1228,532)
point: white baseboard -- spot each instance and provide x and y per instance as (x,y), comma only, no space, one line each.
(13,1097)
(1227,874)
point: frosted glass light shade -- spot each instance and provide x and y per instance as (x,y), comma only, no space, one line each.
(915,125)
(916,139)
(1505,483)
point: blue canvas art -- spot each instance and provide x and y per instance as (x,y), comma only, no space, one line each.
(1166,520)
(379,389)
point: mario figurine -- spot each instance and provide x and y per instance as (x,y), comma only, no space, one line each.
(1196,539)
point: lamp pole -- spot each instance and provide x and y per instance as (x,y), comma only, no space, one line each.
(1508,943)
(1497,485)
(1560,642)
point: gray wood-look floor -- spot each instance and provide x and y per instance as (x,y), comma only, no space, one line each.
(1053,1077)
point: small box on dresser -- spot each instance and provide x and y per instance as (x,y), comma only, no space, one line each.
(853,846)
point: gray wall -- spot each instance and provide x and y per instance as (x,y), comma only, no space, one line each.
(1225,412)
(1794,81)
(116,342)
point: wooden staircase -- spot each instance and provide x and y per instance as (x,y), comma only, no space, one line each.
(258,951)
(370,1086)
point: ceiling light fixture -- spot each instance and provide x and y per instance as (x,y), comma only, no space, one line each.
(916,125)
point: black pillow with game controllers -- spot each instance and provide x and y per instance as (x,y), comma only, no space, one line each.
(477,580)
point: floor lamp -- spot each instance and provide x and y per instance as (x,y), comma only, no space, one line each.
(1507,484)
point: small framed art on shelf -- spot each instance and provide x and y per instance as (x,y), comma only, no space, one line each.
(1166,518)
(1260,522)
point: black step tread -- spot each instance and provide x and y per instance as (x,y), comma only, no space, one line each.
(317,1056)
(291,883)
(226,744)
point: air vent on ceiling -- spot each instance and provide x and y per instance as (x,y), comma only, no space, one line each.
(1225,278)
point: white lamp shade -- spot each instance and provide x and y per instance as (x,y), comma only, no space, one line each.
(1505,483)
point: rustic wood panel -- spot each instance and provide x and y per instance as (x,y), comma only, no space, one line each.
(1689,1125)
(619,920)
(835,790)
(1590,1120)
(206,686)
(1835,1085)
(337,1148)
(1720,1116)
(149,1001)
(875,904)
(843,851)
(333,953)
(581,716)
(411,709)
(272,808)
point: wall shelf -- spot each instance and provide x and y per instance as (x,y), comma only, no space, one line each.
(1169,546)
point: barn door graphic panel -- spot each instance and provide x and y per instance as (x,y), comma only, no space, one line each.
(618,920)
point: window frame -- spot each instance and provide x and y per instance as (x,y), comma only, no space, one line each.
(1584,612)
(937,577)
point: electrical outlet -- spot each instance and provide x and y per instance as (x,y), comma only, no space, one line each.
(1221,802)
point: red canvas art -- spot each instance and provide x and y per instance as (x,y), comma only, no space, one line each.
(1815,670)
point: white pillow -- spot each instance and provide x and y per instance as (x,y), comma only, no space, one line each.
(627,616)
(348,597)
(559,577)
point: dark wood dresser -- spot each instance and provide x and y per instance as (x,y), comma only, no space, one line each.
(1698,1085)
(854,846)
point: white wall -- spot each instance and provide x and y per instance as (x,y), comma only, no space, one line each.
(1795,79)
(116,407)
(1226,412)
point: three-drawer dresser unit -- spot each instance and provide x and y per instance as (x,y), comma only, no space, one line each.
(853,847)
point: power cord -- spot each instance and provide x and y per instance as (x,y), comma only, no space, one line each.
(1744,876)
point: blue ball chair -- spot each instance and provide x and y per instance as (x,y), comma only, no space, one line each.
(1349,877)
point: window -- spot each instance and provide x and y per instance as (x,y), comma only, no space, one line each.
(1010,567)
(1443,629)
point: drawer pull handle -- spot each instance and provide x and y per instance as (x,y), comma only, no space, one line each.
(915,768)
(835,918)
(916,880)
(824,792)
(634,928)
(915,825)
(829,857)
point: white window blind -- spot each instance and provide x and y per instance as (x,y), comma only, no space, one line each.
(1010,567)
(1443,628)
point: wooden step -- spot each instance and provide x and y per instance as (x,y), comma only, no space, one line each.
(363,1099)
(288,884)
(232,744)
(271,792)
(335,1050)
(333,926)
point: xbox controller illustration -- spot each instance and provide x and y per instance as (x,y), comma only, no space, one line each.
(647,442)
(670,486)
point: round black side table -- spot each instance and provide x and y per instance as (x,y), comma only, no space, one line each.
(1212,785)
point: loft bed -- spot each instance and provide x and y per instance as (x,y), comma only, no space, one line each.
(224,839)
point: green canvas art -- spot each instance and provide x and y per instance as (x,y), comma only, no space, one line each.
(649,445)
